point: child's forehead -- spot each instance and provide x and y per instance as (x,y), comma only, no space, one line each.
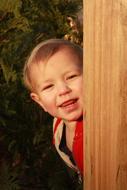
(59,57)
(46,52)
(42,56)
(60,62)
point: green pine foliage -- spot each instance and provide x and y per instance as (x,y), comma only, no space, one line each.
(8,178)
(25,130)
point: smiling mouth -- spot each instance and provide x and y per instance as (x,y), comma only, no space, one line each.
(68,103)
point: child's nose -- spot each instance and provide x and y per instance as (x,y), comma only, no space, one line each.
(63,89)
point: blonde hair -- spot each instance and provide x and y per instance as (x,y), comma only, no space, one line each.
(43,51)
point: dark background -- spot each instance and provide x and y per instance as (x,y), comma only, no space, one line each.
(28,160)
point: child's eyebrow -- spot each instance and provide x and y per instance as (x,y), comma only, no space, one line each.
(46,81)
(43,82)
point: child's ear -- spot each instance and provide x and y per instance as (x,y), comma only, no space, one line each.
(36,98)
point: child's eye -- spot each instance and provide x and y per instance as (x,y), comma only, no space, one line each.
(71,76)
(47,87)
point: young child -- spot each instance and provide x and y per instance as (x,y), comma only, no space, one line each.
(54,75)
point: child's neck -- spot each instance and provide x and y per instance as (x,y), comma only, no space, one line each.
(70,125)
(70,133)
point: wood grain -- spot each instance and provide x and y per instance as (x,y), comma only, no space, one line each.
(105,94)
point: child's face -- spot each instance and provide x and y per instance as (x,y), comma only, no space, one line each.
(58,85)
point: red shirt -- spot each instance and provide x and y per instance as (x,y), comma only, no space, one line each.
(77,143)
(78,146)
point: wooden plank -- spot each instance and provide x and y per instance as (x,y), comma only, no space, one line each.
(105,92)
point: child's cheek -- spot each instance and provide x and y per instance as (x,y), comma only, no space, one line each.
(51,109)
